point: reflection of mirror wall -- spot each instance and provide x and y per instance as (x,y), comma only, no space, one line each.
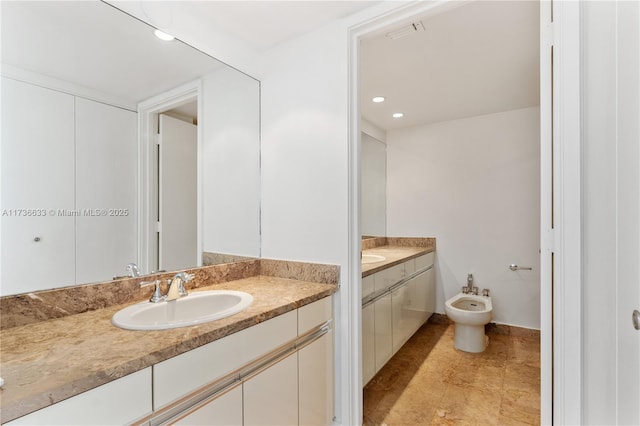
(73,77)
(373,219)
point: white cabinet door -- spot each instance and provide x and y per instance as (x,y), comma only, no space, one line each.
(420,303)
(383,331)
(430,280)
(106,181)
(368,344)
(118,402)
(225,410)
(401,315)
(271,397)
(37,174)
(315,381)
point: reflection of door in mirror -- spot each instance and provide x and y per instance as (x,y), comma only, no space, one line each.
(72,217)
(177,231)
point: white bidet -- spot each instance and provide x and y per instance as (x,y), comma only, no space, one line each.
(470,313)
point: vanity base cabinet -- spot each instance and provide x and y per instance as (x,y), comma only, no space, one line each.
(224,410)
(383,337)
(271,397)
(368,344)
(121,401)
(315,369)
(279,372)
(392,317)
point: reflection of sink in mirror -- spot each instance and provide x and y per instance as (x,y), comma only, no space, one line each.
(372,258)
(196,308)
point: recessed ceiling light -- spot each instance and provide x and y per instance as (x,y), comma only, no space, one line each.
(398,115)
(378,99)
(163,36)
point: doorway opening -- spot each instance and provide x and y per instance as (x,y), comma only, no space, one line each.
(170,180)
(386,25)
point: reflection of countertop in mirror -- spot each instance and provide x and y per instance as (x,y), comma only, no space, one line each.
(48,361)
(395,251)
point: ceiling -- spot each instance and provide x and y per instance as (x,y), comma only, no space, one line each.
(96,46)
(479,58)
(264,24)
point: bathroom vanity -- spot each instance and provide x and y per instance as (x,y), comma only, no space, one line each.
(398,296)
(271,363)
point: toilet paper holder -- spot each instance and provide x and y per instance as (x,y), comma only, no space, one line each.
(515,267)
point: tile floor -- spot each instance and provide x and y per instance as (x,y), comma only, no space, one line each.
(429,382)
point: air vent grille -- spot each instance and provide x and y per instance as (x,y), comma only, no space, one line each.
(406,30)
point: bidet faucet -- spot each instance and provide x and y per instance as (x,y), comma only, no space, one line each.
(469,283)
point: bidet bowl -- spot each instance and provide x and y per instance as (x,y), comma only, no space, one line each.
(195,308)
(469,309)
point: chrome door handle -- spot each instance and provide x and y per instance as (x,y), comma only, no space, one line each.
(636,319)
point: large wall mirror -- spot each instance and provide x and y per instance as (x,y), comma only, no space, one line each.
(119,147)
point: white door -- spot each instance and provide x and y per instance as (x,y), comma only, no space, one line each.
(178,237)
(628,211)
(106,175)
(38,240)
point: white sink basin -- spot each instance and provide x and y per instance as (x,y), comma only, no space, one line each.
(195,308)
(372,258)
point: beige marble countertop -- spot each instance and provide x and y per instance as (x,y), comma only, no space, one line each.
(49,361)
(394,255)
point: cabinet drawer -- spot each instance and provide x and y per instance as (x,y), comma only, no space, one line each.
(424,261)
(388,277)
(409,267)
(182,374)
(368,286)
(118,402)
(314,314)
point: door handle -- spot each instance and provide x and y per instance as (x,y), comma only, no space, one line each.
(636,319)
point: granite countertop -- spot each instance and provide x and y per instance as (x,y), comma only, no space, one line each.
(394,255)
(49,361)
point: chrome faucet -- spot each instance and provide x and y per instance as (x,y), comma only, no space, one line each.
(132,270)
(469,283)
(175,291)
(176,286)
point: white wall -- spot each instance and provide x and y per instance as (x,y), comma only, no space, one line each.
(474,185)
(231,163)
(373,187)
(304,159)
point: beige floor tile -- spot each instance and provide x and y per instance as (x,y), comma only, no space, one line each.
(429,382)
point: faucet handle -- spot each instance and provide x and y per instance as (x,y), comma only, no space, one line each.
(475,290)
(465,290)
(157,294)
(485,292)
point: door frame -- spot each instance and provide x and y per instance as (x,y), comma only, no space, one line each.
(148,111)
(560,304)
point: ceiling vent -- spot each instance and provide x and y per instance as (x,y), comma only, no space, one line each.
(414,27)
